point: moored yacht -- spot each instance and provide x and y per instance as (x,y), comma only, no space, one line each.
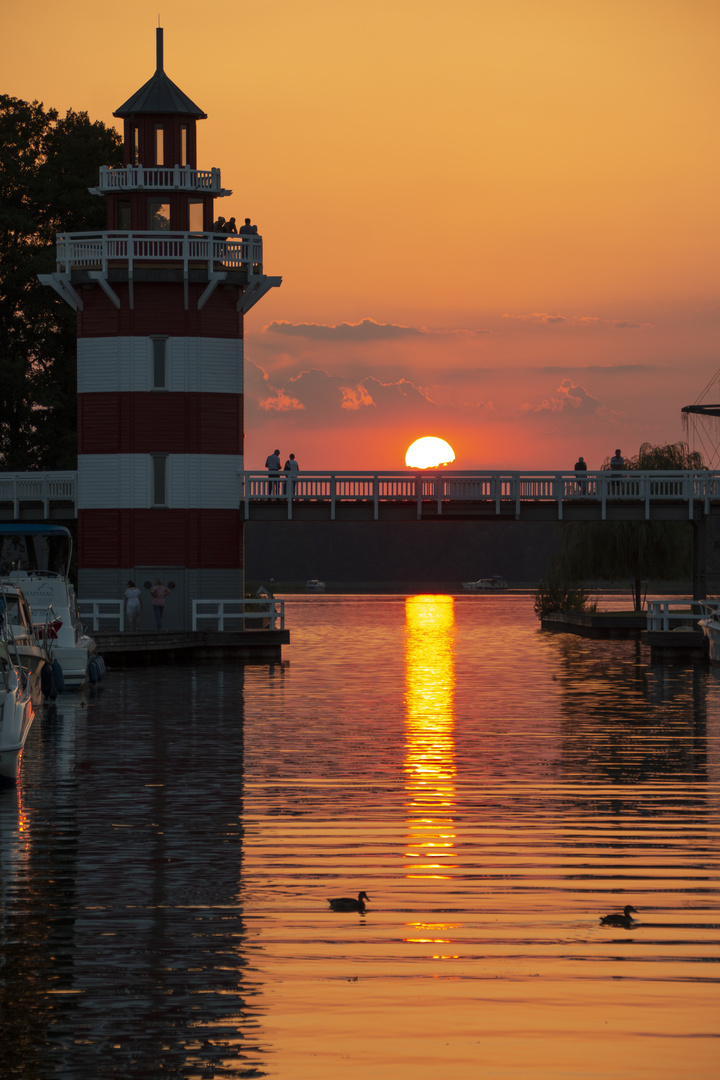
(36,558)
(16,707)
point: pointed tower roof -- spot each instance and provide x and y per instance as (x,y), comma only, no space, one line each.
(160,94)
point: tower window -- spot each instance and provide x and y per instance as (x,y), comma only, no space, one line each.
(158,215)
(159,373)
(159,479)
(136,146)
(122,215)
(196,215)
(183,144)
(159,145)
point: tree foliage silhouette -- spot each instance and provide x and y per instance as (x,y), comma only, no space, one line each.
(47,165)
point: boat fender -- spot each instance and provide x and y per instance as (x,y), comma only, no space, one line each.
(58,676)
(92,671)
(47,682)
(101,665)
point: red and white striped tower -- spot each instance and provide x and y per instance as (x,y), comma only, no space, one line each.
(160,301)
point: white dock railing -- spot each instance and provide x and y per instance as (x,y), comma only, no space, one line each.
(671,614)
(497,489)
(264,613)
(96,614)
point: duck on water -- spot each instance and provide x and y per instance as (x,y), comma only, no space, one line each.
(620,918)
(348,903)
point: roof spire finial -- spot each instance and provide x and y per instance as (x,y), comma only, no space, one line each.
(159,48)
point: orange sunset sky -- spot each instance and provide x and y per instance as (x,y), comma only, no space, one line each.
(496,220)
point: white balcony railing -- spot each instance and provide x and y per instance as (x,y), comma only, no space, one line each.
(36,488)
(100,251)
(495,488)
(159,178)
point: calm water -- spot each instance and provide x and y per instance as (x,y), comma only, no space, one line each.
(167,857)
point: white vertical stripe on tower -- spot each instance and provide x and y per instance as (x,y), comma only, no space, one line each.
(125,481)
(193,365)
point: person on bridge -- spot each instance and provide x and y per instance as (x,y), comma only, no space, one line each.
(272,464)
(617,464)
(581,468)
(291,471)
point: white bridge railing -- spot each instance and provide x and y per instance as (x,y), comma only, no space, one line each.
(499,490)
(99,251)
(496,488)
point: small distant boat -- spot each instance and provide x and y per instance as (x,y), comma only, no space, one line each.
(313,585)
(486,583)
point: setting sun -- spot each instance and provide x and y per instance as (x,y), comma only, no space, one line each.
(428,452)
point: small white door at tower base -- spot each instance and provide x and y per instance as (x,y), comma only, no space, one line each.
(173,617)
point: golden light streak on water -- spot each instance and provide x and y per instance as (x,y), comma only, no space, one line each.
(429,733)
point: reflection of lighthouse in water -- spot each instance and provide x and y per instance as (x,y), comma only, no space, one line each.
(160,301)
(430,743)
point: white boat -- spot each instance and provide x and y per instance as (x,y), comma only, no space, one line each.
(710,626)
(36,558)
(16,627)
(486,583)
(16,708)
(313,585)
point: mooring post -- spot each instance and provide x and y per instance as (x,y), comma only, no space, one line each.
(700,558)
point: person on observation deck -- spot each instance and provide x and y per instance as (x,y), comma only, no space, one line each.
(219,225)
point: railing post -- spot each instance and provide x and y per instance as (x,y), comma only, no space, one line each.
(376,497)
(333,494)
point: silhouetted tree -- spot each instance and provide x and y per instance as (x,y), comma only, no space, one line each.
(46,167)
(638,550)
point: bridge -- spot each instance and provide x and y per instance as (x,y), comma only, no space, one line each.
(402,496)
(454,495)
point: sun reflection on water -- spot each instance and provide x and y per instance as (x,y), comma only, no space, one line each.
(429,737)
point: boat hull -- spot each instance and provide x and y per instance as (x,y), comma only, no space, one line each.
(711,629)
(16,716)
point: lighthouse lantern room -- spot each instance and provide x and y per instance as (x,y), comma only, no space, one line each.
(160,300)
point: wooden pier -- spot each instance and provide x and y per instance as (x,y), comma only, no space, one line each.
(149,648)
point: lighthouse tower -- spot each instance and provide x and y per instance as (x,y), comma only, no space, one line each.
(160,301)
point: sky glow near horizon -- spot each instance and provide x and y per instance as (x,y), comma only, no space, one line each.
(495,223)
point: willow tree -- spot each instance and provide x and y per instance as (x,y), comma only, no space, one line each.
(634,550)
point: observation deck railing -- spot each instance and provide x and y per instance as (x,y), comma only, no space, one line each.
(159,178)
(101,251)
(495,488)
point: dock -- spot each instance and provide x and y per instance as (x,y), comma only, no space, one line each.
(149,648)
(685,643)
